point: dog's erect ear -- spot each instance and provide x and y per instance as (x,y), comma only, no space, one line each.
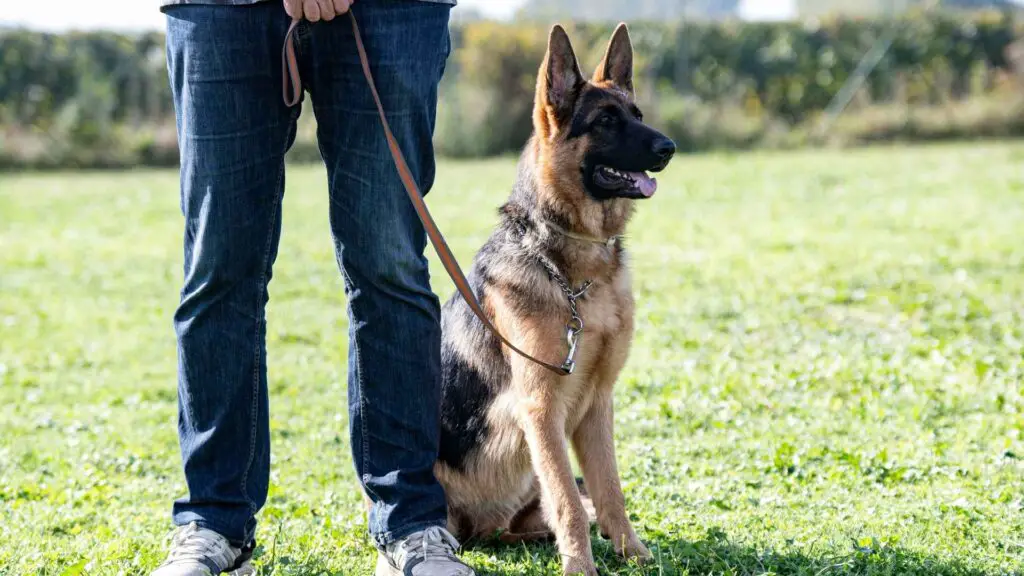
(617,65)
(558,83)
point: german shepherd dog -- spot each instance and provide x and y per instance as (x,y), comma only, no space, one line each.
(507,422)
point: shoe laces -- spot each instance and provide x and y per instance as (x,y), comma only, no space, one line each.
(434,542)
(192,543)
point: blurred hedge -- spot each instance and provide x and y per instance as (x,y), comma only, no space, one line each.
(779,76)
(102,99)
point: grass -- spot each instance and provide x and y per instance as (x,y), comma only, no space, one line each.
(827,375)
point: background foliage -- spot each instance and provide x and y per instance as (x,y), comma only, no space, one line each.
(102,99)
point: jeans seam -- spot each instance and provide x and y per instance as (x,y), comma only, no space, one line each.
(364,450)
(261,318)
(340,249)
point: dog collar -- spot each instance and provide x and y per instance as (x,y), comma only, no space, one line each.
(608,242)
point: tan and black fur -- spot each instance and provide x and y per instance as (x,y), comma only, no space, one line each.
(507,423)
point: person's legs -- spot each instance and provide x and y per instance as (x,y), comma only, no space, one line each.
(233,131)
(394,353)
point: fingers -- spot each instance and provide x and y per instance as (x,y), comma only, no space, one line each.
(326,10)
(293,8)
(316,10)
(311,9)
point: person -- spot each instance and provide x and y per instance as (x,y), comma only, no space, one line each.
(234,128)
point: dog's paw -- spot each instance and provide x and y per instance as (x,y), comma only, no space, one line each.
(631,548)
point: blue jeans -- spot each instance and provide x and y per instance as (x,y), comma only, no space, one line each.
(233,132)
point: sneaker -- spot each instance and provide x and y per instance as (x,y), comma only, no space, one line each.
(430,552)
(197,551)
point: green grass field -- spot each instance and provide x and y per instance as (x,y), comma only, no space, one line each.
(826,379)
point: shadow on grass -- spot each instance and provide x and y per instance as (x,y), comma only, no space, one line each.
(714,554)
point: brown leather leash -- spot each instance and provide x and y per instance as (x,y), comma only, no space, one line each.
(290,73)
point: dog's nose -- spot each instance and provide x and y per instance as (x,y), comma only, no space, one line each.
(664,148)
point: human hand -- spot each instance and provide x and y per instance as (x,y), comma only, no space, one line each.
(316,10)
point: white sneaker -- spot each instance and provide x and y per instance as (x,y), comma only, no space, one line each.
(197,551)
(429,552)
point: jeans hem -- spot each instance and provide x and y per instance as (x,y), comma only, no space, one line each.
(382,540)
(215,527)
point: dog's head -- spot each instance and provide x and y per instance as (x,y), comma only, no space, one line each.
(591,130)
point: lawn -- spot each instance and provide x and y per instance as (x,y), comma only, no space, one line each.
(826,378)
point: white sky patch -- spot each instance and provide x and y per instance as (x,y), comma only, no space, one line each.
(56,15)
(767,10)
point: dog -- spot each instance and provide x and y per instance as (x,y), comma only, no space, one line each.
(506,421)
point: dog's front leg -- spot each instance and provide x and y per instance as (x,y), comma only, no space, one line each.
(544,428)
(595,450)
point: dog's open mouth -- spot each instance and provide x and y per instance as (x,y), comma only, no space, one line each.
(629,184)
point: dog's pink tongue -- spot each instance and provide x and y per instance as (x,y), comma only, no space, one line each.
(644,183)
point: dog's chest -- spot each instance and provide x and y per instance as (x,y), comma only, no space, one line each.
(605,336)
(606,311)
(601,312)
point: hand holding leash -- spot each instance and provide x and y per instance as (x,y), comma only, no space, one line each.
(316,10)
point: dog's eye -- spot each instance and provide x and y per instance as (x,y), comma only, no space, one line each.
(605,120)
(637,113)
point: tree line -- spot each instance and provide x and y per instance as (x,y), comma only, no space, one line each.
(101,98)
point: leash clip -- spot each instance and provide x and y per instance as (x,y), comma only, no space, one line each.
(572,336)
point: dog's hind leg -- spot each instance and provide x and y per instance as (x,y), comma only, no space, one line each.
(528,525)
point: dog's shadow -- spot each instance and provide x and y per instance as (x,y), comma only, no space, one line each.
(714,554)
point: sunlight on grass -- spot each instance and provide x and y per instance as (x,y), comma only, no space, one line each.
(826,377)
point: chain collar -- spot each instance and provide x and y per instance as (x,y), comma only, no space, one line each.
(574,327)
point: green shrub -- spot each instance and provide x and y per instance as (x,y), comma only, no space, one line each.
(103,98)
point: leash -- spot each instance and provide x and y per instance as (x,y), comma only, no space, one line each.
(290,78)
